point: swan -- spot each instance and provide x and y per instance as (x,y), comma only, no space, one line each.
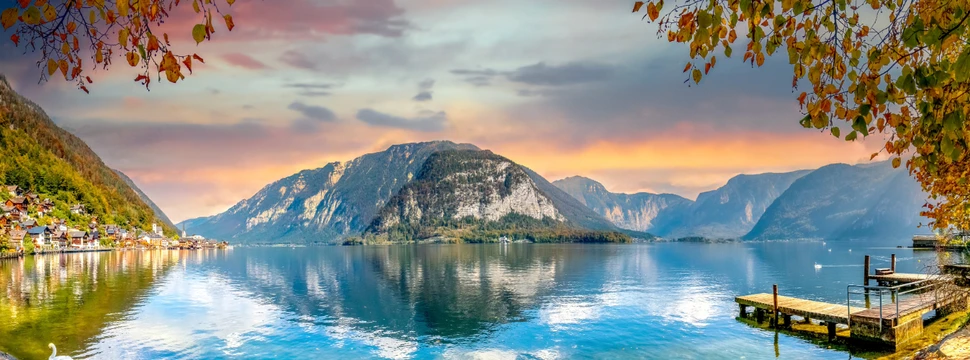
(54,354)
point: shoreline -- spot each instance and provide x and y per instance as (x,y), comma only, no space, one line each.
(73,251)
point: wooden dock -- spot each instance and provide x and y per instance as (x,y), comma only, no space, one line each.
(806,309)
(902,278)
(897,320)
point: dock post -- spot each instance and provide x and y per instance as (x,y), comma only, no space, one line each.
(744,311)
(892,264)
(774,308)
(865,278)
(831,328)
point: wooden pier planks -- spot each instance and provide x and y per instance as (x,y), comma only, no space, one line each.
(832,313)
(915,304)
(907,278)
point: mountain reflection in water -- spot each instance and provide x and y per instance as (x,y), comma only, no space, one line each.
(504,301)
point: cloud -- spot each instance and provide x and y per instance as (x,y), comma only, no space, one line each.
(310,19)
(558,75)
(307,89)
(298,60)
(424,88)
(312,112)
(426,122)
(477,77)
(244,61)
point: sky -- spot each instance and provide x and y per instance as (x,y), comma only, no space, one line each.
(564,87)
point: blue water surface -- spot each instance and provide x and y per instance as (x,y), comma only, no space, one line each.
(517,301)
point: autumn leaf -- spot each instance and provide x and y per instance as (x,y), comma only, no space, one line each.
(23,3)
(63,66)
(188,63)
(230,2)
(697,76)
(229,23)
(761,59)
(198,33)
(152,43)
(637,5)
(132,58)
(51,67)
(16,39)
(197,57)
(687,67)
(71,26)
(652,11)
(8,18)
(31,16)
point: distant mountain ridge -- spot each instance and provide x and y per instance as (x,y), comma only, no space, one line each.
(845,202)
(435,186)
(641,211)
(837,201)
(342,199)
(480,191)
(727,212)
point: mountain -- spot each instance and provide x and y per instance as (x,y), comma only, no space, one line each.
(641,211)
(155,209)
(840,201)
(730,211)
(476,195)
(37,155)
(323,204)
(727,212)
(344,199)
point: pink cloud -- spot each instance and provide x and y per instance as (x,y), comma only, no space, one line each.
(243,61)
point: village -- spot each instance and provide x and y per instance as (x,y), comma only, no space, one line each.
(27,225)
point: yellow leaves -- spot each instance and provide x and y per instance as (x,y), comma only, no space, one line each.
(697,76)
(152,43)
(122,8)
(71,26)
(171,67)
(9,17)
(896,162)
(98,56)
(229,23)
(195,6)
(230,2)
(198,33)
(31,16)
(123,37)
(652,11)
(49,12)
(65,48)
(799,71)
(132,58)
(760,59)
(62,64)
(51,67)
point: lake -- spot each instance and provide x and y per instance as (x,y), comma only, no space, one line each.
(517,301)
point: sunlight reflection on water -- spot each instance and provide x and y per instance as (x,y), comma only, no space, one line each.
(450,301)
